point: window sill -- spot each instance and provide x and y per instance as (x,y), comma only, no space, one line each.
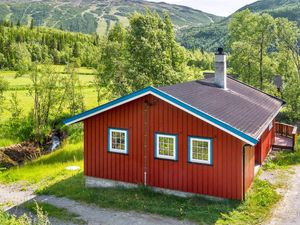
(200,164)
(172,160)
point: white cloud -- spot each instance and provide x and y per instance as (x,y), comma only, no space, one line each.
(217,7)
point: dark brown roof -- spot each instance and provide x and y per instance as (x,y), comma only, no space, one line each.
(240,106)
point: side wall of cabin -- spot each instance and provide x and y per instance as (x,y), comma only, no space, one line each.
(264,146)
(222,179)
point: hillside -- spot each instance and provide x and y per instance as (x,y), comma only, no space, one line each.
(89,16)
(209,37)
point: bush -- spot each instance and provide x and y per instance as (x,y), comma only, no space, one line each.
(20,128)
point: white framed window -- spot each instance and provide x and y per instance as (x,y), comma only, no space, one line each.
(118,140)
(166,146)
(200,150)
(271,125)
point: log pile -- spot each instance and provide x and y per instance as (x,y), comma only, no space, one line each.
(17,154)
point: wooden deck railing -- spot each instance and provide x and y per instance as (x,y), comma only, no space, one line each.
(286,130)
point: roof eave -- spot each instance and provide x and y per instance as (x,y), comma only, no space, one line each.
(172,100)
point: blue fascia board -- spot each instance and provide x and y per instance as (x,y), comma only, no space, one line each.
(177,102)
(104,106)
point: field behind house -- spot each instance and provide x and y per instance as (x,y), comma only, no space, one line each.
(21,85)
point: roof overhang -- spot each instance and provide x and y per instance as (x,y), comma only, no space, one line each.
(173,101)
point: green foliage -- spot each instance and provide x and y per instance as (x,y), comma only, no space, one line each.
(251,37)
(285,159)
(3,87)
(144,54)
(7,219)
(291,93)
(47,169)
(263,47)
(94,16)
(257,207)
(41,218)
(52,211)
(20,46)
(142,199)
(209,37)
(73,91)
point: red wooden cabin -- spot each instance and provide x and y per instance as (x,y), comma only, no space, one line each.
(202,137)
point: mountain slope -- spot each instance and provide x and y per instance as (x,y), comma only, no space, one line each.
(289,9)
(90,16)
(211,36)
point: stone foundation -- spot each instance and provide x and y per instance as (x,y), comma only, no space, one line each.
(106,183)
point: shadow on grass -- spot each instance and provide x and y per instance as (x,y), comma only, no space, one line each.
(143,199)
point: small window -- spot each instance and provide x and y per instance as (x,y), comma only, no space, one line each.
(166,146)
(271,125)
(200,150)
(118,141)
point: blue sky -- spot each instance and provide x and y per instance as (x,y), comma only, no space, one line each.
(217,7)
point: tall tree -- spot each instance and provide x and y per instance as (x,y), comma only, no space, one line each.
(113,69)
(3,87)
(251,37)
(154,56)
(288,35)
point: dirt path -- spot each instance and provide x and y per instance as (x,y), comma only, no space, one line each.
(96,215)
(287,211)
(13,196)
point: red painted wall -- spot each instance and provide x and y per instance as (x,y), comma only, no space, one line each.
(264,146)
(222,179)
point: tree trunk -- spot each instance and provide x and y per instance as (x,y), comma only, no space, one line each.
(261,65)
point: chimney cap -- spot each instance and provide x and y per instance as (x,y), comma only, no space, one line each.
(220,51)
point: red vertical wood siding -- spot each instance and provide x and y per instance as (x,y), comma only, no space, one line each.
(223,179)
(264,146)
(249,166)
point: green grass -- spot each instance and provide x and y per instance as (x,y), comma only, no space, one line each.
(26,101)
(285,159)
(260,200)
(142,199)
(6,142)
(48,172)
(53,211)
(6,219)
(47,169)
(20,86)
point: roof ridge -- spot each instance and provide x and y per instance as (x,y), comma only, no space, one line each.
(256,89)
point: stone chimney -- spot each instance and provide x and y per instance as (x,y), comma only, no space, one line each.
(221,69)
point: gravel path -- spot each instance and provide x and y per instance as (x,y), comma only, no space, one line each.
(95,215)
(287,211)
(13,196)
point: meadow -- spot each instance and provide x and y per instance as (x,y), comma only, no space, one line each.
(21,84)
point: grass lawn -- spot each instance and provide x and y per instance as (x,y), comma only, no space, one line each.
(47,169)
(49,174)
(285,159)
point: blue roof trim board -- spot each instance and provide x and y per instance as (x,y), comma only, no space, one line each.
(172,100)
(87,113)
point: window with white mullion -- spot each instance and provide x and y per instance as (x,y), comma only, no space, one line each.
(200,150)
(166,146)
(118,140)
